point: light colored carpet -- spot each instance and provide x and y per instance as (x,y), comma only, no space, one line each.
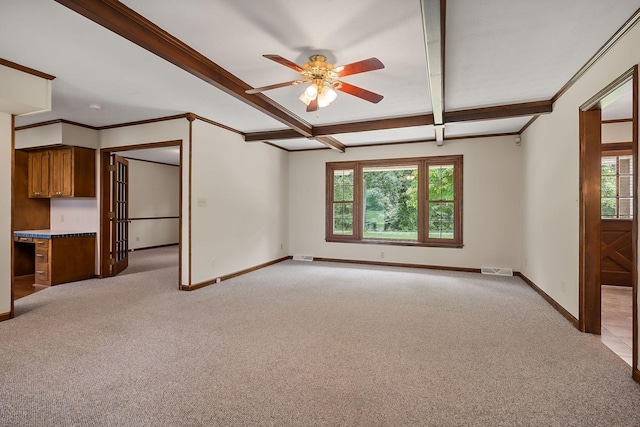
(304,344)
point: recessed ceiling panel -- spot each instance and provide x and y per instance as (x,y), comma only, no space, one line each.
(296,144)
(485,127)
(506,51)
(415,133)
(236,33)
(94,65)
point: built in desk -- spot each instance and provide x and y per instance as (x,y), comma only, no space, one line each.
(54,256)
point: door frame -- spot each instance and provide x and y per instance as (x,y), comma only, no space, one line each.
(589,230)
(105,240)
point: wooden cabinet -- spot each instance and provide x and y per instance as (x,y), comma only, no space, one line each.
(43,268)
(62,259)
(39,174)
(62,172)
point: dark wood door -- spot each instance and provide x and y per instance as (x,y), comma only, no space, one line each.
(616,252)
(119,214)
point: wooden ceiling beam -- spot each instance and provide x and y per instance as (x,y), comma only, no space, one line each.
(331,143)
(125,22)
(272,135)
(483,113)
(499,112)
(378,124)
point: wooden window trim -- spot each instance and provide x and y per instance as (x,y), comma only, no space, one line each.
(422,164)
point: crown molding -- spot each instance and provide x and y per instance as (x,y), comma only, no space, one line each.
(27,70)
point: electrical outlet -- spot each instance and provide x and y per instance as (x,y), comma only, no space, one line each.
(281,246)
(137,238)
(381,254)
(202,203)
(61,218)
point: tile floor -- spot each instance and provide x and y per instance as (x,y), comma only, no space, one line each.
(617,323)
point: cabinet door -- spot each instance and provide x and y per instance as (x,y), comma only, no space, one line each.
(39,174)
(61,173)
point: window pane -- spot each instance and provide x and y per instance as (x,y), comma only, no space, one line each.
(343,185)
(390,202)
(441,220)
(343,218)
(441,182)
(617,187)
(608,186)
(608,207)
(624,208)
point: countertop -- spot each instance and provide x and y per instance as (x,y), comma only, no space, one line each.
(52,234)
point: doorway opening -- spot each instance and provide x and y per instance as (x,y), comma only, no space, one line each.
(140,202)
(608,215)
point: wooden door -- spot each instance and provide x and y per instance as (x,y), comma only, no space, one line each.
(616,252)
(38,174)
(61,173)
(616,225)
(119,214)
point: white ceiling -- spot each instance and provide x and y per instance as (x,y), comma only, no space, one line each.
(497,52)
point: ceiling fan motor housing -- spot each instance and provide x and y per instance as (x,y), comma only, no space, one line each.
(319,71)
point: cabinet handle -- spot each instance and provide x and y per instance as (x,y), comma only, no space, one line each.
(41,243)
(23,239)
(40,255)
(40,272)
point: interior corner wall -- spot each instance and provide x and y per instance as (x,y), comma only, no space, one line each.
(154,207)
(551,209)
(169,130)
(491,205)
(239,203)
(6,240)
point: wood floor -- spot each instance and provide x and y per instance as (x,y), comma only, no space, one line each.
(23,286)
(617,320)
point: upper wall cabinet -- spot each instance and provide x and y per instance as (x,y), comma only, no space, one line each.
(62,172)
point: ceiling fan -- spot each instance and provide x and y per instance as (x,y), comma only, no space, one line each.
(324,80)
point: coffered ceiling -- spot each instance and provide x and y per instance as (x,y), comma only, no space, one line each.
(494,64)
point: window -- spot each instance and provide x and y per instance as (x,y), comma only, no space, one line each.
(405,201)
(617,186)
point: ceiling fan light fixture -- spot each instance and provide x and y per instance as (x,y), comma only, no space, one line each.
(311,92)
(326,97)
(304,99)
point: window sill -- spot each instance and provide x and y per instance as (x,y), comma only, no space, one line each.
(397,243)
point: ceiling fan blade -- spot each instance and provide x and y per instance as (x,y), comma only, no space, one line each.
(313,105)
(359,67)
(360,93)
(275,86)
(280,60)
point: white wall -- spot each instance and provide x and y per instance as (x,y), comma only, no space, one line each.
(170,130)
(76,214)
(6,240)
(23,93)
(491,199)
(39,136)
(245,189)
(551,180)
(617,132)
(154,191)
